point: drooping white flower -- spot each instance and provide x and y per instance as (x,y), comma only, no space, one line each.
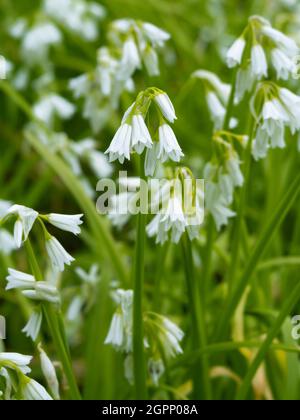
(156,229)
(33,391)
(49,373)
(37,41)
(217,204)
(43,291)
(156,35)
(244,83)
(284,42)
(217,110)
(4,207)
(170,336)
(7,242)
(174,218)
(261,144)
(151,160)
(259,65)
(18,280)
(280,110)
(235,53)
(217,96)
(33,326)
(234,170)
(99,164)
(120,331)
(214,83)
(116,331)
(26,218)
(68,223)
(52,105)
(19,360)
(84,17)
(291,106)
(283,65)
(166,107)
(89,277)
(120,146)
(150,59)
(31,288)
(141,138)
(168,145)
(58,255)
(131,60)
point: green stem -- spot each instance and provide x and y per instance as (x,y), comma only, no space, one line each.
(198,319)
(190,358)
(140,375)
(272,334)
(139,364)
(207,261)
(161,258)
(266,237)
(97,224)
(235,254)
(230,105)
(54,321)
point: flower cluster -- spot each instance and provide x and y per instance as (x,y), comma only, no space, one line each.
(223,175)
(161,335)
(182,200)
(132,43)
(77,154)
(51,106)
(77,16)
(25,219)
(42,32)
(14,369)
(249,52)
(134,135)
(274,109)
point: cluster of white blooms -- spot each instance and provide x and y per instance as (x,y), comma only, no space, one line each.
(42,32)
(274,109)
(161,335)
(182,209)
(32,289)
(217,96)
(76,154)
(134,136)
(36,40)
(51,106)
(14,369)
(223,175)
(25,219)
(78,16)
(181,195)
(131,44)
(249,53)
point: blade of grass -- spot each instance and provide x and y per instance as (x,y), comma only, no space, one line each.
(264,348)
(261,246)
